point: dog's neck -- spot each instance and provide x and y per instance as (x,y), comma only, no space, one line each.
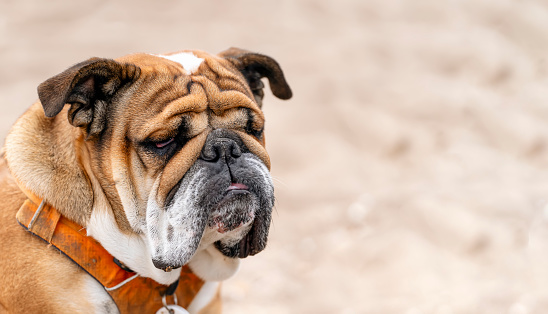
(54,174)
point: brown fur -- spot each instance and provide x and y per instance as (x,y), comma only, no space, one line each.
(31,276)
(58,158)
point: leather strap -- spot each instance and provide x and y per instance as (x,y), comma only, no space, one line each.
(131,293)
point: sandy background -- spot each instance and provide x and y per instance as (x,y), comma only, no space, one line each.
(410,166)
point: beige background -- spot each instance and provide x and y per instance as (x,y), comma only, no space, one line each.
(410,166)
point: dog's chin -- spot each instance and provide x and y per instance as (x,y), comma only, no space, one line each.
(211,265)
(228,225)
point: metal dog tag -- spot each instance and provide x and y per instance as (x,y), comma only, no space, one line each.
(172,309)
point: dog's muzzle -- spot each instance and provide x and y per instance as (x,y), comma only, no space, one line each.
(245,194)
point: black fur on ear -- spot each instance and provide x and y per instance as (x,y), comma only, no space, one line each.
(255,66)
(88,87)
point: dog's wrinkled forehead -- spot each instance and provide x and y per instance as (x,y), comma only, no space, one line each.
(213,72)
(183,85)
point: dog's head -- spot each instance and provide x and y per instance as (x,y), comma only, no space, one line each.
(177,143)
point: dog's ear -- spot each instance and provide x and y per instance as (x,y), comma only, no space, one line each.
(254,67)
(88,87)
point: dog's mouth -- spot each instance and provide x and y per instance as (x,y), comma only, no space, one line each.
(234,211)
(234,217)
(233,189)
(237,187)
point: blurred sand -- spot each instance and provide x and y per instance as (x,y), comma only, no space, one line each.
(410,166)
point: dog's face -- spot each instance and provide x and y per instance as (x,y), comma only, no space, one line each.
(177,144)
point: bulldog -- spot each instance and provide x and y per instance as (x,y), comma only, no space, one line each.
(157,160)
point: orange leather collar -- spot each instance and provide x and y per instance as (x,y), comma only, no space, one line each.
(131,293)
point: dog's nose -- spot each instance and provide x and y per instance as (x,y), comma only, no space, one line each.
(220,148)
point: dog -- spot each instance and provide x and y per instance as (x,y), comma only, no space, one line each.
(138,184)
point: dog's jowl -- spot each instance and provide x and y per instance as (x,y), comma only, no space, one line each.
(136,185)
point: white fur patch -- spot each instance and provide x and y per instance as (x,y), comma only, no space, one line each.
(210,264)
(182,218)
(204,296)
(188,60)
(132,250)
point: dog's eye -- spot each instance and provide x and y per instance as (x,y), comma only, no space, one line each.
(161,148)
(251,131)
(252,128)
(165,143)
